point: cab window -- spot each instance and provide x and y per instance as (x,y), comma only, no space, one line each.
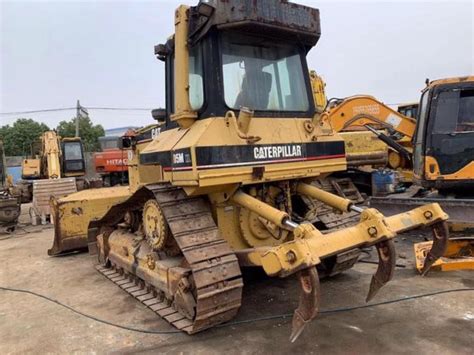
(196,88)
(262,75)
(454,111)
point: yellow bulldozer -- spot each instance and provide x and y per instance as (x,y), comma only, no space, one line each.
(56,167)
(233,175)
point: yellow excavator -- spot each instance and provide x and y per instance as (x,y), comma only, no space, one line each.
(364,113)
(351,115)
(231,178)
(56,167)
(409,109)
(434,150)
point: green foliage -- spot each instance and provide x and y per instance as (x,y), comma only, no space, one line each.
(17,138)
(88,132)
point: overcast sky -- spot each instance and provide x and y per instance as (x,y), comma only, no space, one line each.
(101,52)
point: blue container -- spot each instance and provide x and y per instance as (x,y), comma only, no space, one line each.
(383,182)
(15,172)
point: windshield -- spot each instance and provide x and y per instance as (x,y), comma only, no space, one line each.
(262,75)
(108,143)
(454,111)
(72,151)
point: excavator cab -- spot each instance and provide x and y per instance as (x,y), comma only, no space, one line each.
(444,140)
(409,110)
(72,159)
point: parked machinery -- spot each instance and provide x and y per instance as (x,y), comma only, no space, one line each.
(365,113)
(232,177)
(71,230)
(9,204)
(56,167)
(408,109)
(434,150)
(111,162)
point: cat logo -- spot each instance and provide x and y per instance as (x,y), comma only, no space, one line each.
(277,152)
(155,132)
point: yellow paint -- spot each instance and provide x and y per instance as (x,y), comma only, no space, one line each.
(459,255)
(30,168)
(73,213)
(356,111)
(183,112)
(432,172)
(453,80)
(310,245)
(319,91)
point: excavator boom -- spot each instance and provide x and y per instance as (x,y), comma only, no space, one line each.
(355,112)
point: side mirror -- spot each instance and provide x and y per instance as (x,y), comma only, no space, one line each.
(162,51)
(159,114)
(125,142)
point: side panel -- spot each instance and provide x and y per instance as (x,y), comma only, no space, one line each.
(211,152)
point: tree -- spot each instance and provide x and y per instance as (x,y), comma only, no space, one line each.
(17,138)
(88,132)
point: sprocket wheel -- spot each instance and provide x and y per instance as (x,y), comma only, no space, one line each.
(154,225)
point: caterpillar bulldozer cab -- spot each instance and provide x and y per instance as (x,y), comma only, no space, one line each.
(234,174)
(444,140)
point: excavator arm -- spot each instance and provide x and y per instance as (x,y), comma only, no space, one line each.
(356,112)
(52,154)
(358,118)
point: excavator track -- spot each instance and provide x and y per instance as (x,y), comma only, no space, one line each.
(214,272)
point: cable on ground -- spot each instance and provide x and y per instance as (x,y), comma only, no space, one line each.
(238,322)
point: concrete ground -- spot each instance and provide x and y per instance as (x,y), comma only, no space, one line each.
(436,324)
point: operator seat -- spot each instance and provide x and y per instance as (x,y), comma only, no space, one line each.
(255,91)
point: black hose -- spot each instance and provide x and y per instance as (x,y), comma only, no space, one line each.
(238,322)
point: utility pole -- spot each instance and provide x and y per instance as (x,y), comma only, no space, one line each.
(78,115)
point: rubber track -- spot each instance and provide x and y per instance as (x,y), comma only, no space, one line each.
(215,269)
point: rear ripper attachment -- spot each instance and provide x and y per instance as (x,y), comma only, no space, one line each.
(309,246)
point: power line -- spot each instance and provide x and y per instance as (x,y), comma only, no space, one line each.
(37,111)
(73,108)
(119,108)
